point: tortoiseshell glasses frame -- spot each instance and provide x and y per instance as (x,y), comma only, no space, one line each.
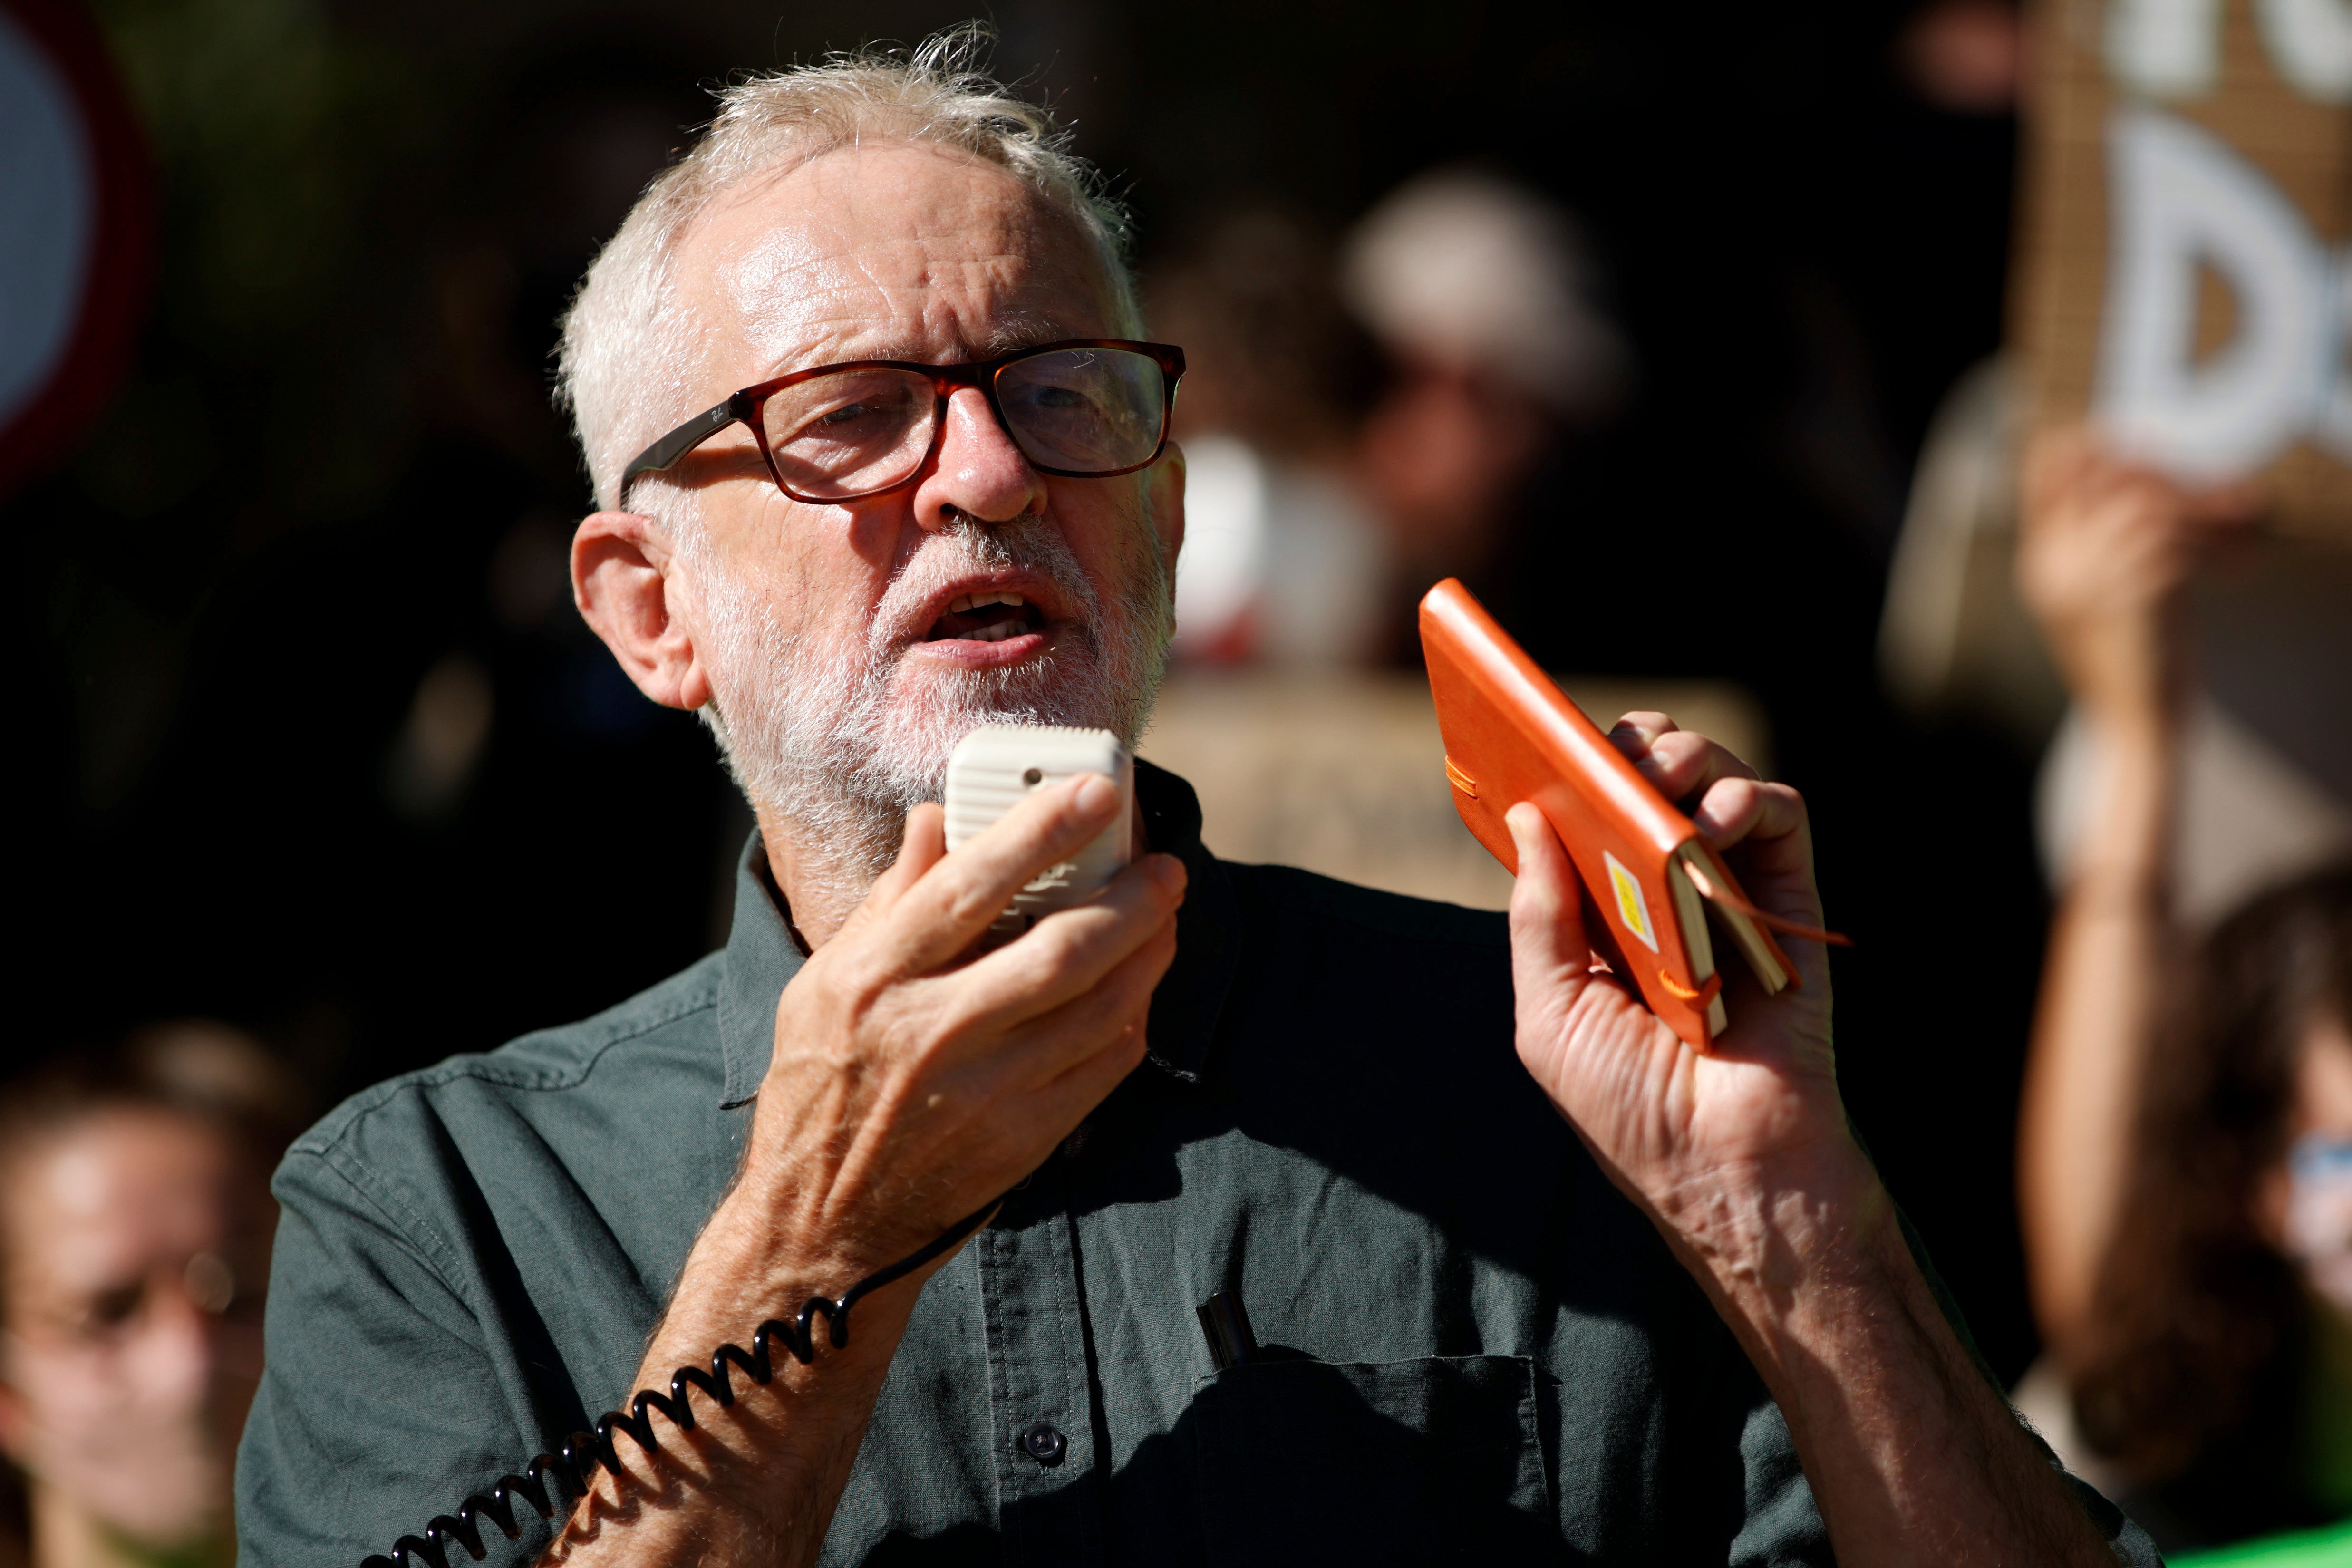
(1076,408)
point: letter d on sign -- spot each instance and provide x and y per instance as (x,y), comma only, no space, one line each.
(2179,196)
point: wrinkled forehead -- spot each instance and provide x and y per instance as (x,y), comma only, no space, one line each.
(892,251)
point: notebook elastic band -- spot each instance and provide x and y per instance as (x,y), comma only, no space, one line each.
(1706,994)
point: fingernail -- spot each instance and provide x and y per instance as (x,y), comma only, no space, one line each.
(1641,732)
(1171,874)
(1095,792)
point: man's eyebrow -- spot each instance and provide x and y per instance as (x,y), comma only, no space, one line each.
(1025,331)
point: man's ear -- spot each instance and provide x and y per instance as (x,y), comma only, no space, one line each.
(1164,495)
(623,581)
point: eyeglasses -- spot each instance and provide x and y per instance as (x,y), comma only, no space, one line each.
(1084,408)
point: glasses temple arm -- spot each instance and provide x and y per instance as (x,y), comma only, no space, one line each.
(666,451)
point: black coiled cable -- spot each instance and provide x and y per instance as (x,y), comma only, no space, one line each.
(583,1450)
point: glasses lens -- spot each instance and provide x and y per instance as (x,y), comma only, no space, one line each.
(849,432)
(1085,410)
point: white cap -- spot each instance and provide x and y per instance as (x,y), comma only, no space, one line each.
(1472,270)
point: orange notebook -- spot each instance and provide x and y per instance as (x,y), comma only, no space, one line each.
(1512,735)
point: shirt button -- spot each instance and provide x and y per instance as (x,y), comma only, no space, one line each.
(1044,1445)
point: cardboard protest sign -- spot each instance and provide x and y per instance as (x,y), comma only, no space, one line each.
(1345,774)
(2184,276)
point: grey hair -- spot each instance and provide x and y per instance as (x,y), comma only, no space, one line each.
(627,360)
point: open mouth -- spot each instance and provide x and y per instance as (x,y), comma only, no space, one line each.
(989,616)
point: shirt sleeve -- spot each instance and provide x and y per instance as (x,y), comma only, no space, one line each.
(1783,1525)
(384,1403)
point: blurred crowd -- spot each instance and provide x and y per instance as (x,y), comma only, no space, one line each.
(1435,389)
(1361,419)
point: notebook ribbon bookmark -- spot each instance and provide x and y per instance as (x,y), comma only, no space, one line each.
(1731,901)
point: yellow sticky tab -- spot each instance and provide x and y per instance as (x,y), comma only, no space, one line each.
(1632,907)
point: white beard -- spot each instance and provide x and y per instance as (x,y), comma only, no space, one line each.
(815,733)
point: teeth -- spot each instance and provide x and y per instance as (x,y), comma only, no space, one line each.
(982,601)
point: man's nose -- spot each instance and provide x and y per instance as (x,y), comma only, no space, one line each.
(980,473)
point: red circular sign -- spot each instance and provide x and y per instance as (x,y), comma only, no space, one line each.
(76,230)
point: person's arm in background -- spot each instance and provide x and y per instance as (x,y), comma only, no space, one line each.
(2105,549)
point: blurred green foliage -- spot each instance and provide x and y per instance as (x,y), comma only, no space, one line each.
(287,280)
(269,126)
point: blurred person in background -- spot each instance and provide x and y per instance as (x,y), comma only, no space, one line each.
(2260,724)
(135,1222)
(2186,1136)
(1481,294)
(1283,563)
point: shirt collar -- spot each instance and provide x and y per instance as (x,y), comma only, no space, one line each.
(761,957)
(1192,995)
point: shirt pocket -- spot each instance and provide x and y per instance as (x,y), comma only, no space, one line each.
(1427,1461)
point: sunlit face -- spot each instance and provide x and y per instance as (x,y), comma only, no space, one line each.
(849,646)
(2323,1086)
(137,1247)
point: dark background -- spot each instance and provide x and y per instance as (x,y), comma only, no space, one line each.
(335,470)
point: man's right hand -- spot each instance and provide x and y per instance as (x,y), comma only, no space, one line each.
(915,1079)
(913,1082)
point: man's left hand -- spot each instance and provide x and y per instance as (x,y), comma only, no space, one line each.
(1742,1158)
(1697,1139)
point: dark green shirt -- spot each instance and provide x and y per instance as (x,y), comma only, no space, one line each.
(1475,1348)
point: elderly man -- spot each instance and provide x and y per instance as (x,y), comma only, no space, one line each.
(1600,1297)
